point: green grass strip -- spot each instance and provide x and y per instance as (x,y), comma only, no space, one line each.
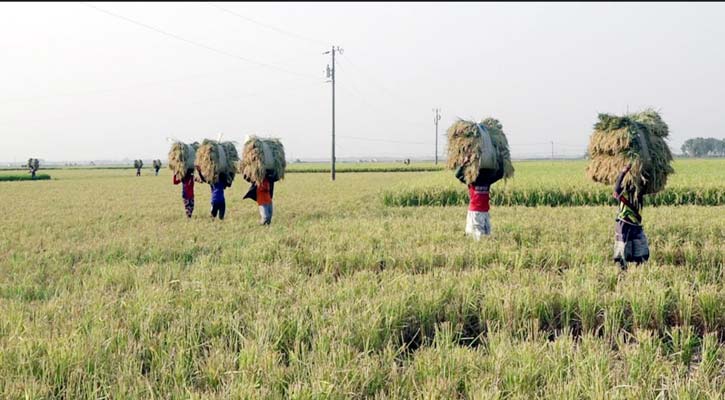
(415,197)
(13,178)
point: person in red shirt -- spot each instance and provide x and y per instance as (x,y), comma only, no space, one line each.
(263,194)
(478,222)
(187,191)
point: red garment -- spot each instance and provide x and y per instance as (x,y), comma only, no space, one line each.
(187,191)
(479,198)
(263,195)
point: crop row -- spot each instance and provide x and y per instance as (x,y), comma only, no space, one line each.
(23,177)
(447,196)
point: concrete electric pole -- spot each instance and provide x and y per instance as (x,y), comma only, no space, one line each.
(331,76)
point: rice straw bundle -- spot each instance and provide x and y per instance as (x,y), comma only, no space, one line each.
(637,138)
(483,144)
(500,144)
(260,157)
(214,158)
(137,164)
(156,163)
(181,158)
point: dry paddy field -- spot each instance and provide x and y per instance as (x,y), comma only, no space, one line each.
(361,288)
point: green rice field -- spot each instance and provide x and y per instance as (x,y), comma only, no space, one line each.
(108,291)
(563,183)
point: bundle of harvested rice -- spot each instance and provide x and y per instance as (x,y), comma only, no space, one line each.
(214,158)
(500,144)
(260,157)
(181,158)
(137,164)
(36,164)
(156,163)
(477,146)
(637,138)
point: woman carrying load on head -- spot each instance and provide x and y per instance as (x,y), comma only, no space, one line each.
(630,243)
(263,194)
(187,190)
(478,221)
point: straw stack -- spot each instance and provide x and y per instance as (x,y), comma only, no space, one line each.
(637,138)
(214,158)
(262,157)
(181,158)
(483,145)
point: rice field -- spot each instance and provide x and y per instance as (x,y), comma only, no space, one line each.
(108,291)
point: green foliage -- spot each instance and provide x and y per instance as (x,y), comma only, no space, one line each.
(704,147)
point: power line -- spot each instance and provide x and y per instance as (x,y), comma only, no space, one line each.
(382,140)
(117,88)
(203,101)
(352,89)
(195,43)
(376,83)
(282,31)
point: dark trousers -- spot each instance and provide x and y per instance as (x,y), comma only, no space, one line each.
(189,207)
(218,208)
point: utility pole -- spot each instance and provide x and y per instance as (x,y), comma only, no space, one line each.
(435,120)
(552,150)
(331,76)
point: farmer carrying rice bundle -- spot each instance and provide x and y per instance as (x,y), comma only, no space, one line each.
(479,154)
(215,161)
(157,166)
(263,163)
(630,152)
(181,163)
(33,166)
(138,164)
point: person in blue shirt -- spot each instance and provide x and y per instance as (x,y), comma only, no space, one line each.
(218,204)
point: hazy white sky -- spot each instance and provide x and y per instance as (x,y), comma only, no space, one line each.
(80,84)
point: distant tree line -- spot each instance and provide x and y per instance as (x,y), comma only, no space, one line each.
(704,147)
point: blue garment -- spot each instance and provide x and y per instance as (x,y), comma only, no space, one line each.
(217,192)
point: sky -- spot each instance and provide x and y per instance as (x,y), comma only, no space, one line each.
(112,81)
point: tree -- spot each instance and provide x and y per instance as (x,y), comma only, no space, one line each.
(704,147)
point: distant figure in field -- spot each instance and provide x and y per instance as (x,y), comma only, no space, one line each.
(33,165)
(630,243)
(157,166)
(263,194)
(478,222)
(218,203)
(187,191)
(138,164)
